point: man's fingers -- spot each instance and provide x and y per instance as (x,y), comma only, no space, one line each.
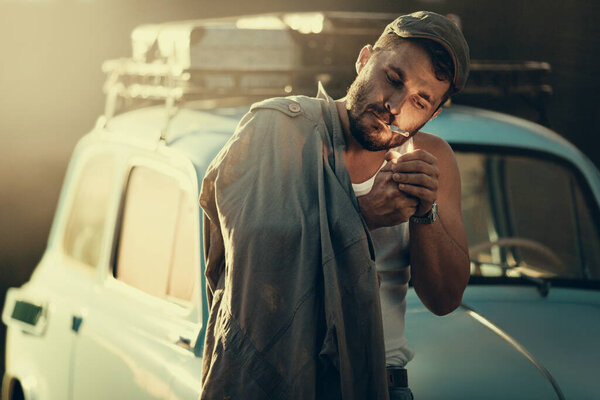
(416,166)
(416,179)
(418,154)
(420,192)
(392,155)
(387,167)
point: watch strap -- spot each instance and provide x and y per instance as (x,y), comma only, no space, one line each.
(428,218)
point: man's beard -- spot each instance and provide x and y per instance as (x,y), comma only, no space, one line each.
(372,136)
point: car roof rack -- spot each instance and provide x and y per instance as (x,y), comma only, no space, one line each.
(261,55)
(268,55)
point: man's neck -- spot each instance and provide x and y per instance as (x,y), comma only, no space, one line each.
(361,163)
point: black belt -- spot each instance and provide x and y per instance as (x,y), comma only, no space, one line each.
(397,377)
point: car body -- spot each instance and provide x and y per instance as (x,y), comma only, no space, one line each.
(116,308)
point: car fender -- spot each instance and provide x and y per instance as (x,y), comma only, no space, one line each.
(28,385)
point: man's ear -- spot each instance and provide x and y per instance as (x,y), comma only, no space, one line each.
(363,57)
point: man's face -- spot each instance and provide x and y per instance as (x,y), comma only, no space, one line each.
(396,87)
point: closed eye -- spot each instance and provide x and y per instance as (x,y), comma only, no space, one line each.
(395,81)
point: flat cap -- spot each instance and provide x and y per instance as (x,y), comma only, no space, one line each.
(429,25)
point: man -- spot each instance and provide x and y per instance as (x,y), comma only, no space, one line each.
(293,287)
(404,81)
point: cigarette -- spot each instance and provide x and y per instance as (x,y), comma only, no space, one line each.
(394,128)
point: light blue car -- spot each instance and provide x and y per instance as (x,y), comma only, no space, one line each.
(116,308)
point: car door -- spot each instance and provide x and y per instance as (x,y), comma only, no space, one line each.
(143,319)
(43,316)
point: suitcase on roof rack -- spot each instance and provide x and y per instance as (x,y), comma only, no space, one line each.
(276,55)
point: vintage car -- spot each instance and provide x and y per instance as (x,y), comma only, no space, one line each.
(116,308)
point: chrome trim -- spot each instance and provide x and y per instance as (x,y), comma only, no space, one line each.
(494,328)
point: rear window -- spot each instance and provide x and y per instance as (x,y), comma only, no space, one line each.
(86,222)
(156,249)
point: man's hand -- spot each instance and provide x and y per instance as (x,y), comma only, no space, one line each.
(385,205)
(416,175)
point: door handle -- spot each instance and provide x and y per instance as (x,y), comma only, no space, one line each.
(182,341)
(21,312)
(76,323)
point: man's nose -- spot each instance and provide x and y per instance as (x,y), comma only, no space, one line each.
(395,102)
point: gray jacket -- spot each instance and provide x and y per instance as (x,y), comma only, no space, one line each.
(293,289)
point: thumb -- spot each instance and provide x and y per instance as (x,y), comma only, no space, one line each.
(392,156)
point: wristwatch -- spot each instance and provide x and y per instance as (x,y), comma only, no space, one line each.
(427,218)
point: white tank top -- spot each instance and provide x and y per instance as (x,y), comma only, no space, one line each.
(393,265)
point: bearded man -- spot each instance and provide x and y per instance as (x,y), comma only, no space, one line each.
(318,212)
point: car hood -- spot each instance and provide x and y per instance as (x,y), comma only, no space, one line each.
(507,342)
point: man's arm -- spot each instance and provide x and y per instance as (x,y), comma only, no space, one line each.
(438,251)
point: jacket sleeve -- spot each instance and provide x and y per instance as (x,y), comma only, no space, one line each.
(214,245)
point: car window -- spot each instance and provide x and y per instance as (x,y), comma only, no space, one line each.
(156,246)
(181,284)
(86,221)
(533,207)
(590,235)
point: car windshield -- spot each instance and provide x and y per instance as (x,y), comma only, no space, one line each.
(528,215)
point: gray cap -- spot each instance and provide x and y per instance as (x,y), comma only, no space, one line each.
(429,25)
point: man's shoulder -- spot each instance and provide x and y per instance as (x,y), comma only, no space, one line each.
(439,148)
(292,107)
(433,144)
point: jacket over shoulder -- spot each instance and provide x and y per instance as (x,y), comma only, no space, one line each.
(292,285)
